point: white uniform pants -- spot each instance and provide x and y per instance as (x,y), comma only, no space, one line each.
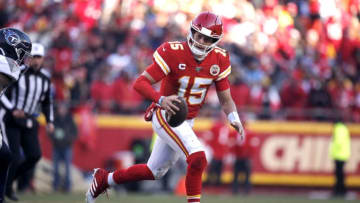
(171,143)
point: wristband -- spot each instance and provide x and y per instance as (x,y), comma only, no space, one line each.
(233,117)
(160,100)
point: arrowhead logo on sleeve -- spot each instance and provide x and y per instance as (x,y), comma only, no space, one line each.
(214,70)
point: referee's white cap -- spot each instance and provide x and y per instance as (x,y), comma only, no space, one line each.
(37,50)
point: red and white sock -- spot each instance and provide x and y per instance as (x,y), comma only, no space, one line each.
(110,179)
(196,165)
(194,199)
(134,173)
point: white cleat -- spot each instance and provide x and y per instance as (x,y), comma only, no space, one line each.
(89,198)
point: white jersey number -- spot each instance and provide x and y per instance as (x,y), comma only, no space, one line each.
(197,91)
(176,45)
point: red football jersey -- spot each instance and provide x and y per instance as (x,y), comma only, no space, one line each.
(219,141)
(182,75)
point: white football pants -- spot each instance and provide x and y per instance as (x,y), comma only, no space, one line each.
(171,143)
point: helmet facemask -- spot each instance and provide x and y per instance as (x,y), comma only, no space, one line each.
(8,78)
(199,50)
(23,56)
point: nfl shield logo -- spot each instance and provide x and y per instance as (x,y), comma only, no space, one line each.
(198,69)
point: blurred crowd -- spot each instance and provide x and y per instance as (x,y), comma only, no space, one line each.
(290,59)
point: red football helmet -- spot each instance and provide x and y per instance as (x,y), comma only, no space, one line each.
(208,24)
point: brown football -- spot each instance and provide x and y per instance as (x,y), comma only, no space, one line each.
(180,116)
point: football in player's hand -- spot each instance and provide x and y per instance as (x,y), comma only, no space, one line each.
(180,116)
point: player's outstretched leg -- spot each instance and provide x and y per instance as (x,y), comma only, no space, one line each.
(98,186)
(134,173)
(102,180)
(196,166)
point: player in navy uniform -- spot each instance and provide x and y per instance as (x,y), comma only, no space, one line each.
(15,47)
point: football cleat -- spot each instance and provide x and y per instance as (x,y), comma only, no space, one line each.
(99,185)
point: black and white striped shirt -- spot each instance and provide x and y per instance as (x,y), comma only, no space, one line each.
(31,90)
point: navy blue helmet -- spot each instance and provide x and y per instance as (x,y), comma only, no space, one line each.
(15,48)
(15,44)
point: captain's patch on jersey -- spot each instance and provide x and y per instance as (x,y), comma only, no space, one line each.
(214,70)
(182,66)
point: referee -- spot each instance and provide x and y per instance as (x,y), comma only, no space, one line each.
(21,101)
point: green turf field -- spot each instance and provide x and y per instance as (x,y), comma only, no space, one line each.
(136,198)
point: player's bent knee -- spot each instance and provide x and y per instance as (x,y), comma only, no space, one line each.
(197,161)
(158,173)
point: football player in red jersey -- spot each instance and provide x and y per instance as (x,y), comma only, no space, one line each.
(186,69)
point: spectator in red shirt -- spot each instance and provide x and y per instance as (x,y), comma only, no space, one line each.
(356,107)
(102,92)
(218,140)
(293,97)
(243,151)
(126,98)
(240,92)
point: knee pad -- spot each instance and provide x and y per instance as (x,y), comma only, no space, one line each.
(160,168)
(159,173)
(197,161)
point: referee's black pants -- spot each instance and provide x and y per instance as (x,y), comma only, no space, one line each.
(22,135)
(5,160)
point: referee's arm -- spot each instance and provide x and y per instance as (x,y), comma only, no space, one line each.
(47,107)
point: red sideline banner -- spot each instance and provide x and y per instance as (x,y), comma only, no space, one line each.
(289,153)
(297,153)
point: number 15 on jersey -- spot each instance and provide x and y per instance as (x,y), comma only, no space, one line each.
(194,89)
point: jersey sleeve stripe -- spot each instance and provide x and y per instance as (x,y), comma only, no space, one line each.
(164,67)
(224,74)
